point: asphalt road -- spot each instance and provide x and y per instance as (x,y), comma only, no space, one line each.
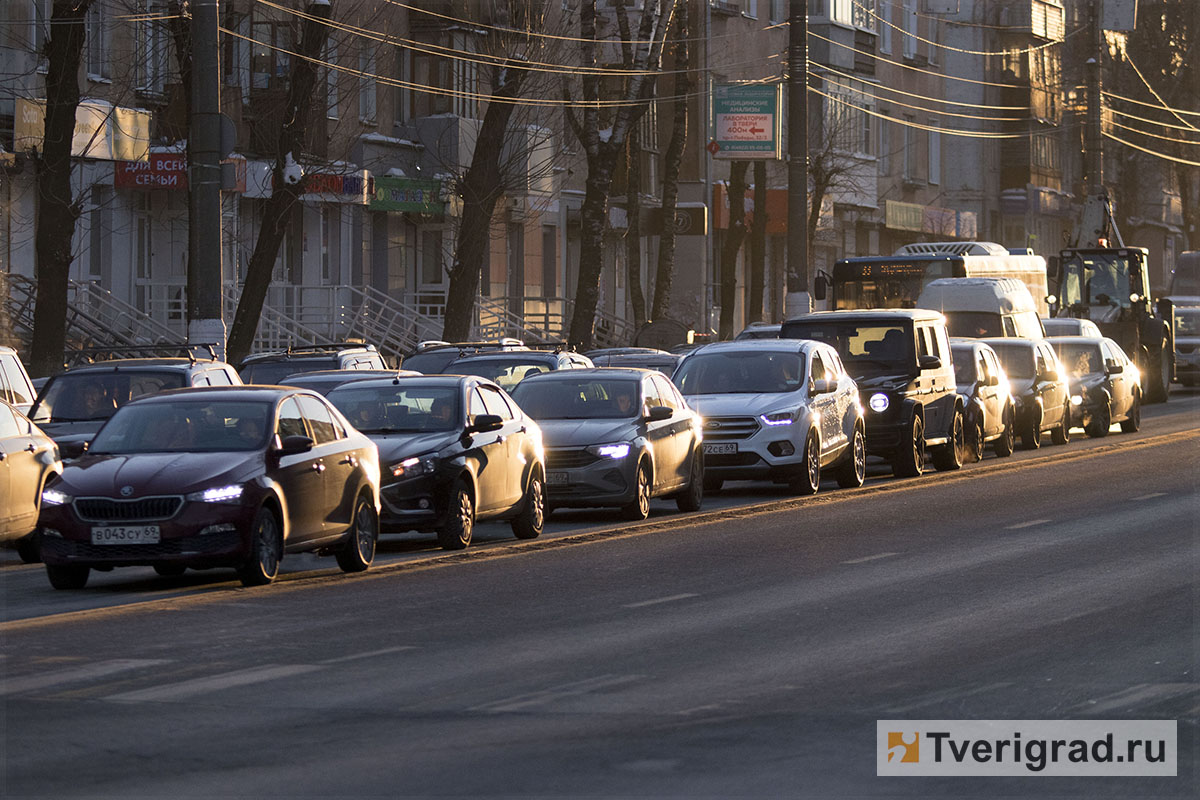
(741,653)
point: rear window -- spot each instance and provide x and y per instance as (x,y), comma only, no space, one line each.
(92,396)
(271,373)
(1017,359)
(863,345)
(506,373)
(1080,359)
(973,324)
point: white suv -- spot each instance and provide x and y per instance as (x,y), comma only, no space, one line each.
(779,409)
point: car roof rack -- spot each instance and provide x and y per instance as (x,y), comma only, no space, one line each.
(324,347)
(188,350)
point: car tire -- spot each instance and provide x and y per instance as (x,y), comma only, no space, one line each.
(530,523)
(1158,375)
(974,440)
(713,485)
(692,497)
(358,551)
(170,570)
(853,473)
(1003,446)
(1062,434)
(1031,431)
(949,457)
(639,507)
(67,576)
(266,550)
(29,548)
(808,480)
(909,462)
(459,525)
(1133,421)
(1098,425)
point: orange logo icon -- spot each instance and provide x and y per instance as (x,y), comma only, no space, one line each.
(903,747)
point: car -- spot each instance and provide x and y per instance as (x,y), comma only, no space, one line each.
(659,360)
(760,330)
(1187,345)
(74,404)
(990,413)
(1068,326)
(901,361)
(776,409)
(620,351)
(431,358)
(16,388)
(214,477)
(1040,389)
(28,460)
(615,437)
(271,368)
(984,307)
(326,380)
(1105,386)
(455,450)
(509,368)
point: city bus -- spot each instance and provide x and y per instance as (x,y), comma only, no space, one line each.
(896,281)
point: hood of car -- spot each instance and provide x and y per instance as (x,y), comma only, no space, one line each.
(1021,387)
(396,446)
(582,432)
(145,474)
(740,405)
(1087,381)
(67,432)
(888,382)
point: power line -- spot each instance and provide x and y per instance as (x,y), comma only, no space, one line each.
(1126,114)
(1171,109)
(923,127)
(1155,135)
(906,66)
(957,22)
(923,108)
(826,68)
(1157,97)
(948,48)
(1152,152)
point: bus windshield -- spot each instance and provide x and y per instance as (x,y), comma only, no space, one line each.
(884,283)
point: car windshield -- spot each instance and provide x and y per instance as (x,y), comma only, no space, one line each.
(1061,327)
(432,361)
(506,372)
(185,426)
(865,346)
(271,373)
(1016,359)
(973,324)
(740,372)
(583,398)
(1080,359)
(399,408)
(95,396)
(1187,322)
(964,365)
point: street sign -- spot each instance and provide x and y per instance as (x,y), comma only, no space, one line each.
(746,121)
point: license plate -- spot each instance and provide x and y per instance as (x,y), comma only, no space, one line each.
(720,448)
(126,534)
(557,479)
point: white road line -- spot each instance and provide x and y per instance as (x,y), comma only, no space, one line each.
(658,600)
(212,683)
(865,559)
(1151,496)
(369,654)
(30,683)
(1142,694)
(1029,524)
(520,701)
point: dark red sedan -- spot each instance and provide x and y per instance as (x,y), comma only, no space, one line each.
(214,477)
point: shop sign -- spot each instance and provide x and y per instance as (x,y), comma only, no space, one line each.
(159,171)
(415,195)
(102,130)
(746,121)
(904,216)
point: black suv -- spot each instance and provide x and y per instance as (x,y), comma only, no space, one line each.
(431,358)
(900,359)
(272,368)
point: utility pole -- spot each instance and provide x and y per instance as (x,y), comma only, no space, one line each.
(798,300)
(205,277)
(1094,137)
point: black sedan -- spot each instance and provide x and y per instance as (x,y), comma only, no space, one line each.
(214,477)
(990,413)
(1039,389)
(454,450)
(616,437)
(1105,384)
(28,459)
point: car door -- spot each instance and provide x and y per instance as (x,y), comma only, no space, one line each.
(928,384)
(487,451)
(339,462)
(658,436)
(1120,383)
(681,436)
(991,393)
(300,477)
(510,433)
(9,445)
(20,390)
(1053,392)
(824,405)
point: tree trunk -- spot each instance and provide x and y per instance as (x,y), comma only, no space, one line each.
(287,189)
(633,231)
(56,207)
(593,219)
(733,243)
(758,244)
(665,274)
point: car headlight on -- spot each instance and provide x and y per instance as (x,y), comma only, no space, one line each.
(53,497)
(780,417)
(218,494)
(1076,400)
(614,451)
(412,467)
(879,402)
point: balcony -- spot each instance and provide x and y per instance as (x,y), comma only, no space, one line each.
(721,8)
(1041,19)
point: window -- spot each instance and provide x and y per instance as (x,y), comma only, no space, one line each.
(270,65)
(431,260)
(366,85)
(477,406)
(817,371)
(935,154)
(778,11)
(670,397)
(909,25)
(98,38)
(235,53)
(885,27)
(750,8)
(14,378)
(495,403)
(650,395)
(549,260)
(291,423)
(885,145)
(324,431)
(8,423)
(331,224)
(331,79)
(910,148)
(151,60)
(40,21)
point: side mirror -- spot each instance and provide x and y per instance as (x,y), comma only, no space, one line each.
(658,413)
(820,287)
(992,380)
(294,445)
(1112,367)
(1050,375)
(485,423)
(823,386)
(929,362)
(73,449)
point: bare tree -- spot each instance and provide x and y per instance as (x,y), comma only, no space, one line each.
(665,274)
(832,167)
(734,238)
(633,231)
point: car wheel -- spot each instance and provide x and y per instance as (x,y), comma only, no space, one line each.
(1003,447)
(456,531)
(1132,422)
(808,480)
(852,474)
(1097,427)
(532,519)
(639,507)
(67,577)
(974,441)
(170,570)
(1062,434)
(266,550)
(29,548)
(909,461)
(1031,431)
(1158,375)
(691,498)
(713,485)
(358,552)
(949,456)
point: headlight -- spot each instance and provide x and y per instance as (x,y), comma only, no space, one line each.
(53,497)
(1076,400)
(614,451)
(218,494)
(412,467)
(879,402)
(780,417)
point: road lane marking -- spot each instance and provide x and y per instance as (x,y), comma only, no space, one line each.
(212,683)
(1029,524)
(1141,694)
(30,683)
(369,654)
(659,600)
(566,690)
(865,559)
(1151,496)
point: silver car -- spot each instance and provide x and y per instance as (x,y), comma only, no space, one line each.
(615,437)
(780,409)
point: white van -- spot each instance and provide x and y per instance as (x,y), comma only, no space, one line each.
(984,307)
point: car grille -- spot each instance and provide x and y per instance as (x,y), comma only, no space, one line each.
(726,429)
(189,545)
(104,509)
(569,458)
(731,459)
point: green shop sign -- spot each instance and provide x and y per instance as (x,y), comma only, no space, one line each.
(407,194)
(746,121)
